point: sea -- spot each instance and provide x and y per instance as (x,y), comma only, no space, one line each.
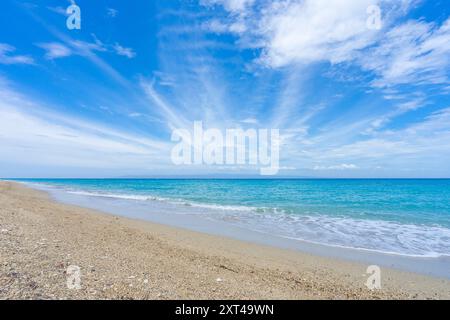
(391,217)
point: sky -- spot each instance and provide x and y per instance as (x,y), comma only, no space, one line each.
(351,98)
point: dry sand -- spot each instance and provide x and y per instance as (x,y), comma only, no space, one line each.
(128,259)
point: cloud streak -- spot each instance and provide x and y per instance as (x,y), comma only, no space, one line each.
(59,140)
(7,56)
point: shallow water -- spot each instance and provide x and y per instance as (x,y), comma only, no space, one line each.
(405,217)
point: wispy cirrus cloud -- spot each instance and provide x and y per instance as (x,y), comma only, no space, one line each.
(65,141)
(235,6)
(58,10)
(414,145)
(7,56)
(170,114)
(415,53)
(346,98)
(111,12)
(301,32)
(123,51)
(55,50)
(399,110)
(343,166)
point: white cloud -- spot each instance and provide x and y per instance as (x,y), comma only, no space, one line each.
(174,119)
(112,12)
(422,147)
(399,110)
(343,166)
(30,134)
(412,53)
(122,51)
(234,6)
(422,141)
(238,9)
(250,121)
(7,56)
(55,50)
(216,26)
(165,79)
(58,10)
(314,30)
(86,48)
(301,32)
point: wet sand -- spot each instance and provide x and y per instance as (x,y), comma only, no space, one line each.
(122,258)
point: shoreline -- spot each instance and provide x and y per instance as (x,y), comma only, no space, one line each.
(122,258)
(178,216)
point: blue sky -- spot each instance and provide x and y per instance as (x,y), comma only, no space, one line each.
(350,101)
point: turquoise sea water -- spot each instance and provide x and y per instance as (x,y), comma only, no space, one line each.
(405,217)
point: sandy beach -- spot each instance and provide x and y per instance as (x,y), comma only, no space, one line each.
(121,258)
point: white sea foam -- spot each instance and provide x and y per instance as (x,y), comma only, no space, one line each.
(171,200)
(118,196)
(221,207)
(373,235)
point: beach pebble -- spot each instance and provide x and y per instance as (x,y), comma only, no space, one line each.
(219,280)
(145,280)
(5,230)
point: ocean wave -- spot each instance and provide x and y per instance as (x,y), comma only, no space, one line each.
(118,196)
(221,207)
(171,200)
(184,202)
(388,237)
